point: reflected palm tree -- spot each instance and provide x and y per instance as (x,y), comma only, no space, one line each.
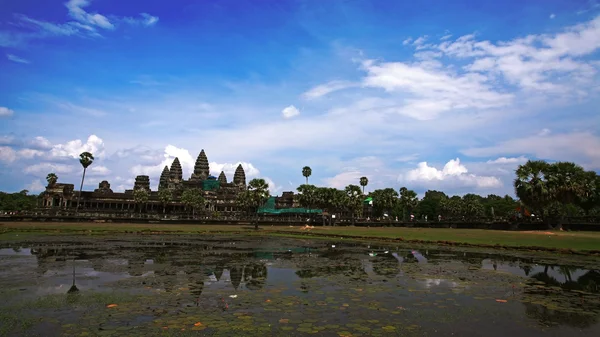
(73,288)
(526,268)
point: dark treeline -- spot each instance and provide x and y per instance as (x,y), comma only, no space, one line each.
(20,201)
(545,190)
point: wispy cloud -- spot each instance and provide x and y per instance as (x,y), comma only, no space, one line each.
(83,24)
(17,59)
(145,19)
(5,112)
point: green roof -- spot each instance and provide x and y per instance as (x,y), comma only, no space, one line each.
(211,185)
(269,208)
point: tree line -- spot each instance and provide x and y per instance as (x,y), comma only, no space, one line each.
(546,190)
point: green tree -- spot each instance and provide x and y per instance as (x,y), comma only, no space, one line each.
(430,204)
(590,197)
(51,178)
(306,172)
(384,201)
(408,201)
(531,186)
(566,183)
(364,181)
(165,195)
(307,195)
(258,189)
(192,199)
(354,200)
(85,159)
(140,196)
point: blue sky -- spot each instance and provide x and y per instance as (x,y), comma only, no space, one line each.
(433,94)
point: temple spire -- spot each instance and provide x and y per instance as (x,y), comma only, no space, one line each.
(164,178)
(176,173)
(222,178)
(202,167)
(239,177)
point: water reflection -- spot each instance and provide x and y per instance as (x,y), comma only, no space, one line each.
(195,268)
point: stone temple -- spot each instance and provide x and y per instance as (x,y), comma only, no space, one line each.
(220,195)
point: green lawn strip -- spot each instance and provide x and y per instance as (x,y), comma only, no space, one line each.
(568,241)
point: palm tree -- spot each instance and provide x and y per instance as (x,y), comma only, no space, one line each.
(408,200)
(364,181)
(531,186)
(354,200)
(85,159)
(165,195)
(259,193)
(306,172)
(51,178)
(384,201)
(307,196)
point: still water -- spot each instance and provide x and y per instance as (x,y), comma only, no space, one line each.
(234,286)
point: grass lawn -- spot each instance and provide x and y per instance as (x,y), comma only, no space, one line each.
(578,241)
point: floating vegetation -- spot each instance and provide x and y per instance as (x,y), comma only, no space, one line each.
(178,288)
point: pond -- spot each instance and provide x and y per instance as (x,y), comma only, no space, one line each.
(252,286)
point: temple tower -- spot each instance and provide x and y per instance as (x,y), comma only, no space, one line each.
(176,173)
(201,168)
(164,178)
(222,178)
(142,182)
(239,177)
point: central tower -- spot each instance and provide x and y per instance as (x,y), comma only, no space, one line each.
(201,168)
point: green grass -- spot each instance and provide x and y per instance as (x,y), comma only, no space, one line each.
(555,240)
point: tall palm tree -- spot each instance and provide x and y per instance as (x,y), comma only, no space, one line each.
(354,200)
(531,186)
(259,192)
(85,159)
(364,181)
(306,172)
(408,200)
(51,178)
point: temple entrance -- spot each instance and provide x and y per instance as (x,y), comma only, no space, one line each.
(56,201)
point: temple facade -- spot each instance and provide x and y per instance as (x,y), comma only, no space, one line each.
(219,193)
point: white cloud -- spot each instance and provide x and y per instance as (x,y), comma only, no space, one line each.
(407,158)
(99,170)
(42,169)
(407,41)
(5,112)
(36,186)
(7,154)
(420,40)
(344,179)
(29,153)
(433,91)
(581,147)
(453,172)
(446,37)
(73,148)
(505,160)
(17,59)
(41,143)
(290,112)
(551,63)
(552,16)
(229,170)
(77,12)
(324,89)
(146,20)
